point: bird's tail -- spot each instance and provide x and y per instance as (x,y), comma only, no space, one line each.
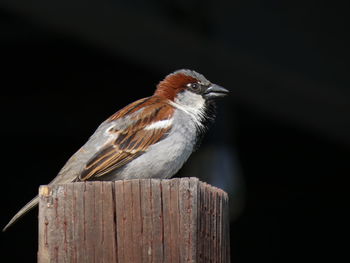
(22,212)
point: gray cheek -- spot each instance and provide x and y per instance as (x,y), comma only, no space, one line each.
(190,99)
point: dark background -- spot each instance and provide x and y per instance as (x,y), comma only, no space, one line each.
(281,142)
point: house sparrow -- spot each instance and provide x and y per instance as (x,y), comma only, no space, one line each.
(149,138)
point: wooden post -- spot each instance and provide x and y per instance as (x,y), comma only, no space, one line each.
(149,220)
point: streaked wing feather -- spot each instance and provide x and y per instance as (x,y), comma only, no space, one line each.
(131,142)
(109,164)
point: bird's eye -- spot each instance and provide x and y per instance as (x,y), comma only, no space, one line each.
(193,86)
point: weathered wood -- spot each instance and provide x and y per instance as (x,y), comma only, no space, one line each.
(176,220)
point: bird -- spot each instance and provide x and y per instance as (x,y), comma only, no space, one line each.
(150,138)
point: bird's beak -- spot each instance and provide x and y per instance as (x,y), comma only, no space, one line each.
(215,91)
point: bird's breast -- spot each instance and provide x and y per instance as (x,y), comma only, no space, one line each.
(165,158)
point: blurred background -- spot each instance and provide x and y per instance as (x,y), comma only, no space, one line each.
(281,143)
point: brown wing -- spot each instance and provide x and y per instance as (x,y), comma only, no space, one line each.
(132,141)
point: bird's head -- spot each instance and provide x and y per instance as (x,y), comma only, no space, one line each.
(189,88)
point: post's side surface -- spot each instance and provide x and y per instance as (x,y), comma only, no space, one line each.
(149,220)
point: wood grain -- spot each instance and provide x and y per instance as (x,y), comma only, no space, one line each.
(150,220)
